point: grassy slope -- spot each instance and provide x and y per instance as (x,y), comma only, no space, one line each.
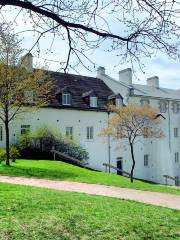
(64,171)
(33,213)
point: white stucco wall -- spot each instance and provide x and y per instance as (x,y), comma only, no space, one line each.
(98,148)
(59,119)
(161,151)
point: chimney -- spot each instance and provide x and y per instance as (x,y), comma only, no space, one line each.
(100,72)
(153,81)
(125,76)
(27,62)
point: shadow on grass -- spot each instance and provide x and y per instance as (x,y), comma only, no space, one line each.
(36,172)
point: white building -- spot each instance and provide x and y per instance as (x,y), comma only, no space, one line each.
(79,110)
(159,157)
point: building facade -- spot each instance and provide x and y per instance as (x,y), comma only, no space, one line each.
(155,157)
(79,110)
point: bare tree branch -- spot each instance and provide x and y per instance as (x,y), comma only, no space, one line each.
(132,29)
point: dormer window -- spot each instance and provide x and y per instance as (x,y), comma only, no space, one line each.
(131,91)
(116,99)
(118,102)
(175,107)
(144,102)
(93,102)
(28,96)
(66,99)
(163,106)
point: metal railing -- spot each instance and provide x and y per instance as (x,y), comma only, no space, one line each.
(113,167)
(168,177)
(67,157)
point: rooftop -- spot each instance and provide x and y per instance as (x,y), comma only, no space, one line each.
(78,86)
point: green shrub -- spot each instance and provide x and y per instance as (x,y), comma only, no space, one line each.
(45,138)
(72,148)
(2,154)
(24,141)
(14,153)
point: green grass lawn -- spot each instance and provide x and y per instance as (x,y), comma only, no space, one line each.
(28,213)
(63,171)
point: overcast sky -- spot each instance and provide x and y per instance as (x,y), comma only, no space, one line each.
(168,70)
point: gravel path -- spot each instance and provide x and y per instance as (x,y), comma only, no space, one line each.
(154,198)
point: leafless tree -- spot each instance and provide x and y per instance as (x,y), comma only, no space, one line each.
(132,29)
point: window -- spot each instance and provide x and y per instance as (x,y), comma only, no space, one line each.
(119,165)
(146,160)
(145,132)
(118,102)
(144,102)
(163,106)
(66,99)
(28,96)
(93,101)
(90,134)
(25,129)
(1,133)
(176,156)
(175,132)
(175,107)
(176,180)
(69,132)
(119,132)
(131,91)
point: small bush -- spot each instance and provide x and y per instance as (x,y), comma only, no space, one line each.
(2,154)
(24,141)
(14,153)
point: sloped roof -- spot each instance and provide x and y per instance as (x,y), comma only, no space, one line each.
(78,85)
(144,90)
(149,91)
(118,95)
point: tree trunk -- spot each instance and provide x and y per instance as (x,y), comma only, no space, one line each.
(133,160)
(6,111)
(7,143)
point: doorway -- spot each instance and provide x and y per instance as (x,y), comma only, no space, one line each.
(119,166)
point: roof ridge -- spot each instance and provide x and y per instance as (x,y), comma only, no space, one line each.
(73,74)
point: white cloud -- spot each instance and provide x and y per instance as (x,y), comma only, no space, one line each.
(167,70)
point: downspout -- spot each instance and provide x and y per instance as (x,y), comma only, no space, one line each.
(169,128)
(109,145)
(172,170)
